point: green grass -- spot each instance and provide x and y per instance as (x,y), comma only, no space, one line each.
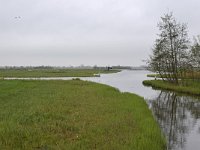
(52,72)
(75,115)
(188,87)
(153,75)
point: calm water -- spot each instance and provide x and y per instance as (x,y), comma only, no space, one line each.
(178,116)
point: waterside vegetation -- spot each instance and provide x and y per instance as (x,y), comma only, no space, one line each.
(52,72)
(74,114)
(187,86)
(191,75)
(173,57)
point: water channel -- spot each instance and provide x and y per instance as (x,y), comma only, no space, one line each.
(178,116)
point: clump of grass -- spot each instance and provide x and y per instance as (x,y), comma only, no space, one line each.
(74,115)
(153,75)
(188,87)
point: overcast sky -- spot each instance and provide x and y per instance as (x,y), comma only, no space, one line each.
(89,32)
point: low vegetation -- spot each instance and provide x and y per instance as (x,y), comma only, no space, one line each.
(191,75)
(153,75)
(187,86)
(74,114)
(52,72)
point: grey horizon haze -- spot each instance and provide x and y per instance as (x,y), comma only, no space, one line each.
(89,32)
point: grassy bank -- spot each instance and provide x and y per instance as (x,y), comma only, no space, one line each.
(52,72)
(188,87)
(74,115)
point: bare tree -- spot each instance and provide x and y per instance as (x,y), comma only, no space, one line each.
(170,51)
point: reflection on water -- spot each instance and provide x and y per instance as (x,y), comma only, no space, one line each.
(179,117)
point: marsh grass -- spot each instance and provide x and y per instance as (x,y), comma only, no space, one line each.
(74,115)
(52,72)
(187,86)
